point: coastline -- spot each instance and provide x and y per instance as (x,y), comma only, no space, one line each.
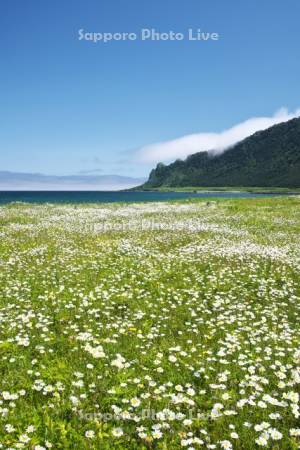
(211,190)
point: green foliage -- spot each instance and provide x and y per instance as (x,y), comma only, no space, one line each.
(269,158)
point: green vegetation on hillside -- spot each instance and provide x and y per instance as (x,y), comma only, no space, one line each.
(269,158)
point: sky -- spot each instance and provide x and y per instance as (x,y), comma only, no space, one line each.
(77,107)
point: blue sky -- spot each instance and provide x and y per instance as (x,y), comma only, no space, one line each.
(70,106)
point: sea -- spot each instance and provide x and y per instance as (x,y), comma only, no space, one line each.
(7,197)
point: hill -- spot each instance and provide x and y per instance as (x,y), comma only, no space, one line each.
(269,158)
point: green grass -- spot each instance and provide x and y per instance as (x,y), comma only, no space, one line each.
(150,326)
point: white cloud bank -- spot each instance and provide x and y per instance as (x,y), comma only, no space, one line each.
(193,143)
(13,181)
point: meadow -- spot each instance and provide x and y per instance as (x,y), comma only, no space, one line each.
(150,326)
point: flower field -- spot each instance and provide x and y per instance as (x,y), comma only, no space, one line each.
(150,326)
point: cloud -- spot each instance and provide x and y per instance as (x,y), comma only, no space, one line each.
(90,171)
(193,143)
(91,160)
(40,182)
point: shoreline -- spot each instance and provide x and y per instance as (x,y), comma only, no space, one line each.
(273,191)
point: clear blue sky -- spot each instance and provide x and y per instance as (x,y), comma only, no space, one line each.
(68,106)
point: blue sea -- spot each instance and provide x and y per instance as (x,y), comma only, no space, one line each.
(111,196)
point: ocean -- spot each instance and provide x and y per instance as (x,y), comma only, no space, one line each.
(111,196)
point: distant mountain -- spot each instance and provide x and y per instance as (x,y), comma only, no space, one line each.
(269,158)
(35,181)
